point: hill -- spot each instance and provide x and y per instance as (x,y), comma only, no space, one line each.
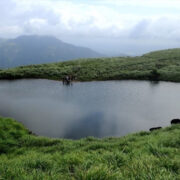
(164,54)
(26,50)
(160,65)
(144,155)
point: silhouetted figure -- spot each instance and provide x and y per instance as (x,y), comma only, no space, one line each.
(155,128)
(175,121)
(67,80)
(72,78)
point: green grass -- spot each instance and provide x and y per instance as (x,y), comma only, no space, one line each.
(144,155)
(160,65)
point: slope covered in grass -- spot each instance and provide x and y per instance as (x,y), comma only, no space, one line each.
(144,155)
(160,65)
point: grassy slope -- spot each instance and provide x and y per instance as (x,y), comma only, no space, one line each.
(143,155)
(161,65)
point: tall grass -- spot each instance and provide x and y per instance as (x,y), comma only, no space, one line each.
(144,155)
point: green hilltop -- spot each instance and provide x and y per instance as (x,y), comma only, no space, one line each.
(160,65)
(144,155)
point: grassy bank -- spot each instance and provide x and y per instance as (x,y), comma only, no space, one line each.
(144,155)
(160,65)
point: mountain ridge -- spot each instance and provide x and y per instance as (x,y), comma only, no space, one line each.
(34,49)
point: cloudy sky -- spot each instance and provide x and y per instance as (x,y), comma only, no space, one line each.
(108,26)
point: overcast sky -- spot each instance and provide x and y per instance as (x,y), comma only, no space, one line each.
(108,26)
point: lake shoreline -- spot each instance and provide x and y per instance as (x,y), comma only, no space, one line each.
(108,80)
(86,80)
(155,66)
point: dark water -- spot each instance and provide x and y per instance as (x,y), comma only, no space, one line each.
(112,108)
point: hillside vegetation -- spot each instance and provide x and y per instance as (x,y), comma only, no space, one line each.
(160,65)
(144,155)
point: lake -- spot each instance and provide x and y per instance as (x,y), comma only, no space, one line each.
(100,109)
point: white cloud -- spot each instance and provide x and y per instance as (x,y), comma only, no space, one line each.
(123,19)
(144,3)
(10,31)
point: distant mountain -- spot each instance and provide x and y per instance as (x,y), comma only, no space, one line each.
(26,50)
(117,55)
(2,40)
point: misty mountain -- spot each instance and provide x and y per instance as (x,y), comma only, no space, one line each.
(26,50)
(2,40)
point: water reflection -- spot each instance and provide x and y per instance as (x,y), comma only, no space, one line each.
(90,125)
(100,109)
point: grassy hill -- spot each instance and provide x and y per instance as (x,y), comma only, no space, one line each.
(161,65)
(144,155)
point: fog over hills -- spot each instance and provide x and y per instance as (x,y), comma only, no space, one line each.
(25,50)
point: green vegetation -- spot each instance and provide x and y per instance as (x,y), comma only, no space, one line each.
(144,155)
(160,65)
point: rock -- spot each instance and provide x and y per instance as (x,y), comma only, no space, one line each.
(175,121)
(155,128)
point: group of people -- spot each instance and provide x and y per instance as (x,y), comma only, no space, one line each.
(67,80)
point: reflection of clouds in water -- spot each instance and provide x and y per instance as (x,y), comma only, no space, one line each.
(43,116)
(124,122)
(89,125)
(139,108)
(89,109)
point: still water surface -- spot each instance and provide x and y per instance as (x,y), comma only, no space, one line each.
(100,109)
